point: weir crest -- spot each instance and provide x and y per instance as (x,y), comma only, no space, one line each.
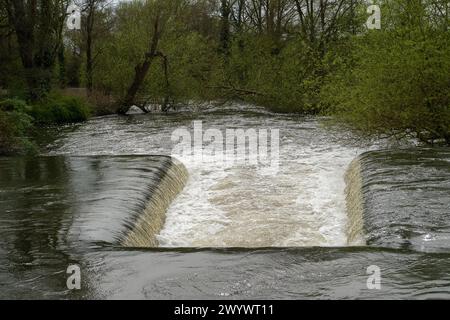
(142,229)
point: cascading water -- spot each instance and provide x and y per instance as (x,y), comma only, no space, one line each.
(143,229)
(116,200)
(235,205)
(355,204)
(60,210)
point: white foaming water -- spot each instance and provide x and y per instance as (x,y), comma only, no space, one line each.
(235,205)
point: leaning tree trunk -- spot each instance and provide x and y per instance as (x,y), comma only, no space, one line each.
(141,70)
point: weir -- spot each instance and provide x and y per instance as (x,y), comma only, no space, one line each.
(143,228)
(355,204)
(400,199)
(293,199)
(120,200)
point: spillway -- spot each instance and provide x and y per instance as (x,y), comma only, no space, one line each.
(400,199)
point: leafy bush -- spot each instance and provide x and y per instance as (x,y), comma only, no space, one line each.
(14,127)
(284,79)
(60,109)
(17,119)
(14,104)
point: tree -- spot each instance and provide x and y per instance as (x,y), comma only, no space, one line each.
(158,14)
(224,41)
(7,46)
(397,81)
(94,26)
(38,26)
(324,21)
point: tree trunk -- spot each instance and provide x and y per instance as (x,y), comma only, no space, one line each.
(89,57)
(225,28)
(38,41)
(165,65)
(141,70)
(62,66)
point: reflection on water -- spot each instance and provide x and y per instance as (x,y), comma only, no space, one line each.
(56,211)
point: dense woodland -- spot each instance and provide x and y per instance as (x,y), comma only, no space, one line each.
(302,56)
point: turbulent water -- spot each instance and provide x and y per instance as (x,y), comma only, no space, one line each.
(66,209)
(303,204)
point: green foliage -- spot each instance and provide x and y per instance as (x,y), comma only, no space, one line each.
(396,83)
(14,104)
(316,57)
(193,63)
(58,109)
(17,119)
(14,127)
(193,69)
(286,81)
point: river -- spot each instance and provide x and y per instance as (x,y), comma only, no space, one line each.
(234,231)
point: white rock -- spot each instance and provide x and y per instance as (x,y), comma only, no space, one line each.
(134,110)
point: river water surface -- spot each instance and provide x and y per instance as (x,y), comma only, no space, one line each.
(233,232)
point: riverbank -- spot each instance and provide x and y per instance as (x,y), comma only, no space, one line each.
(19,119)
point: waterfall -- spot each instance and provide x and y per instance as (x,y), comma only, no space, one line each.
(143,228)
(355,204)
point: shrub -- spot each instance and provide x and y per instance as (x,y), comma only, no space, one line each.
(17,118)
(14,104)
(60,109)
(14,127)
